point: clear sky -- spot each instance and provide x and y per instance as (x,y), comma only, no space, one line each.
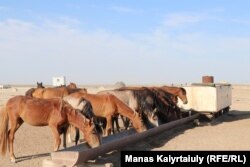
(134,41)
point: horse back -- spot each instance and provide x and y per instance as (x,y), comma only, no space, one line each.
(34,111)
(57,92)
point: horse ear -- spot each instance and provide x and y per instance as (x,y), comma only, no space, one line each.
(140,115)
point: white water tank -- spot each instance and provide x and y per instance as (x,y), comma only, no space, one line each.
(59,81)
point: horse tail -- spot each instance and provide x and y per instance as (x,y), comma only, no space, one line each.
(30,92)
(4,131)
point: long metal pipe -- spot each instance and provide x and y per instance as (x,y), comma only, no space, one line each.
(80,154)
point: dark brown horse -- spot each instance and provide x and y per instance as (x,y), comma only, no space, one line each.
(108,106)
(164,102)
(54,113)
(176,91)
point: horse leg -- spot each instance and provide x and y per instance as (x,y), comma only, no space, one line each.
(77,137)
(64,139)
(117,123)
(14,125)
(63,130)
(69,134)
(56,135)
(113,125)
(125,122)
(109,125)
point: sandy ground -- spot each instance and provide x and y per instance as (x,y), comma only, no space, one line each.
(228,132)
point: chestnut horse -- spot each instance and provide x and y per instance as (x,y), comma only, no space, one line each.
(108,106)
(177,91)
(139,100)
(54,113)
(47,93)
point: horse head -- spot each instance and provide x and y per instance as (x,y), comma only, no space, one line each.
(91,135)
(148,107)
(86,125)
(39,85)
(138,123)
(183,95)
(72,85)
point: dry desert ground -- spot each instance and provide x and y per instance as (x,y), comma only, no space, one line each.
(228,132)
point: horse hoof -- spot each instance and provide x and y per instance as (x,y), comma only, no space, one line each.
(13,160)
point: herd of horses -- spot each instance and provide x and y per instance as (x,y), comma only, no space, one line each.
(94,115)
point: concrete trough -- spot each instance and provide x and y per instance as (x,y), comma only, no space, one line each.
(79,154)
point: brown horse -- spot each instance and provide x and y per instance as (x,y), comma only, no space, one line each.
(108,106)
(165,102)
(177,91)
(54,113)
(47,93)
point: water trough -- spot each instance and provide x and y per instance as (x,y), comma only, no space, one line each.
(81,153)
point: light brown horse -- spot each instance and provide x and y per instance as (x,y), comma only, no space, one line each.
(107,106)
(48,93)
(54,113)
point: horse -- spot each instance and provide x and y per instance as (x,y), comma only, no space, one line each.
(170,104)
(107,106)
(139,100)
(54,92)
(54,113)
(169,96)
(47,93)
(177,91)
(84,107)
(164,103)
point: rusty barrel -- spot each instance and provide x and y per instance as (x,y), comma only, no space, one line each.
(207,79)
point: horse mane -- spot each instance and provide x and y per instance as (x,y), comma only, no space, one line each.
(87,108)
(87,111)
(29,92)
(184,91)
(141,95)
